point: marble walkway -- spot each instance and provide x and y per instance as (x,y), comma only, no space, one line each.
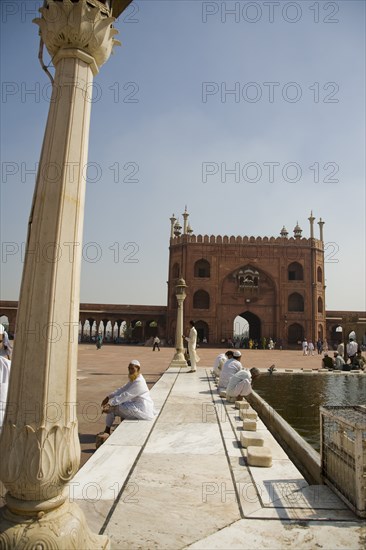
(181,481)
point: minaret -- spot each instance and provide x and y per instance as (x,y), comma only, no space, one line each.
(173,219)
(311,220)
(321,224)
(185,223)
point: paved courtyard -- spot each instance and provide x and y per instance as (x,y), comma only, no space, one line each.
(183,480)
(102,371)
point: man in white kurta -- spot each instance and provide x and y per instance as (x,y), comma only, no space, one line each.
(132,401)
(218,364)
(240,384)
(352,346)
(4,385)
(230,367)
(192,344)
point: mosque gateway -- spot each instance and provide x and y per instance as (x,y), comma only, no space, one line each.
(275,283)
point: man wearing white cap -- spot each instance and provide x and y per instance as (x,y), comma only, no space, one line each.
(352,346)
(231,367)
(132,401)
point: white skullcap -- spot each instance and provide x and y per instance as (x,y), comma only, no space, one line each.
(2,329)
(237,353)
(352,335)
(135,362)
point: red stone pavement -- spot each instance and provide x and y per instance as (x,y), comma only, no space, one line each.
(102,371)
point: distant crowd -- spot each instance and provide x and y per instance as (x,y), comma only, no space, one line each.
(347,359)
(253,343)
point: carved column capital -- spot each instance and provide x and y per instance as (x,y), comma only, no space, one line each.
(77,26)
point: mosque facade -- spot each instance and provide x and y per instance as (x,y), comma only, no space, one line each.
(275,283)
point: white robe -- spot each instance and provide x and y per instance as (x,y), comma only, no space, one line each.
(192,344)
(231,367)
(352,348)
(219,361)
(239,384)
(4,385)
(133,400)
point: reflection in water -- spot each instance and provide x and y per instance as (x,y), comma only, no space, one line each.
(297,397)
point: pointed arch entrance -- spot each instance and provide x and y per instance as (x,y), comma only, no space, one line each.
(254,324)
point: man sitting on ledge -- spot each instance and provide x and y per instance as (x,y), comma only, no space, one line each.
(130,402)
(240,384)
(230,367)
(327,362)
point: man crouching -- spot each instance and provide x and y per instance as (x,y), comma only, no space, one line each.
(130,402)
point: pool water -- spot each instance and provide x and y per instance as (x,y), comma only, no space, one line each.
(297,397)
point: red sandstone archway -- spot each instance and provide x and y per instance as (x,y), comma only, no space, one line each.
(254,324)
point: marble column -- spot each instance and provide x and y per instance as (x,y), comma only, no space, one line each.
(39,443)
(119,323)
(178,359)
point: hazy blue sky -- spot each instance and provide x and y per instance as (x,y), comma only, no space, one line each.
(164,126)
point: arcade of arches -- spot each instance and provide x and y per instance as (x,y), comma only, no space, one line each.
(115,321)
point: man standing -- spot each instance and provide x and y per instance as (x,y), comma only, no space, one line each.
(156,343)
(311,348)
(132,401)
(99,341)
(192,344)
(305,347)
(319,346)
(352,346)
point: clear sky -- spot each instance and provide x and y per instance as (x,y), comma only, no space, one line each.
(250,113)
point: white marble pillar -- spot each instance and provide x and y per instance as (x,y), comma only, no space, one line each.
(39,443)
(178,359)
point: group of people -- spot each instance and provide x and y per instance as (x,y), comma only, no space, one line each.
(353,361)
(250,343)
(308,348)
(233,377)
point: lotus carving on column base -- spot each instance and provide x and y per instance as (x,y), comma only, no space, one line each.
(62,529)
(39,461)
